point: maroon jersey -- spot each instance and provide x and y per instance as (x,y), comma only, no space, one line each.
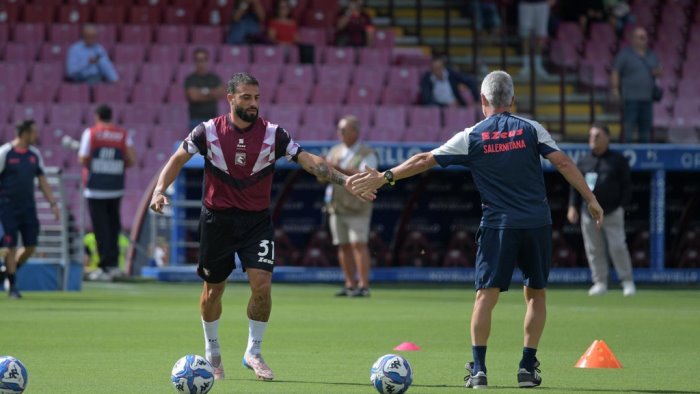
(239,163)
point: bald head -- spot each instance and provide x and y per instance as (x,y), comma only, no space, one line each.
(349,129)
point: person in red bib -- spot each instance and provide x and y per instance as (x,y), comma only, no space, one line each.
(240,150)
(105,152)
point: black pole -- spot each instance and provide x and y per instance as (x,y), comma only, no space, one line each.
(446,43)
(533,84)
(391,13)
(562,97)
(504,33)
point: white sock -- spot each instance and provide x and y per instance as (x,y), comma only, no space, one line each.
(211,337)
(256,330)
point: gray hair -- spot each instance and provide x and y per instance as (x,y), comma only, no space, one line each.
(498,89)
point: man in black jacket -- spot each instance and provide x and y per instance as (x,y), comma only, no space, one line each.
(608,175)
(444,86)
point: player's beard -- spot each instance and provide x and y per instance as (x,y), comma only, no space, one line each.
(245,115)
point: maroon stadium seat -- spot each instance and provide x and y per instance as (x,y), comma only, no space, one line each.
(129,53)
(292,94)
(109,14)
(145,113)
(20,53)
(383,38)
(53,53)
(64,33)
(458,118)
(29,33)
(38,94)
(39,13)
(77,14)
(320,117)
(160,53)
(47,74)
(398,95)
(298,74)
(106,35)
(335,75)
(390,117)
(325,94)
(226,71)
(175,95)
(363,113)
(111,93)
(211,48)
(73,93)
(375,56)
(9,11)
(286,116)
(266,73)
(318,37)
(339,55)
(362,94)
(374,76)
(127,72)
(214,15)
(36,111)
(424,124)
(171,34)
(180,15)
(66,113)
(145,15)
(406,76)
(174,115)
(136,34)
(268,54)
(147,93)
(207,35)
(233,55)
(320,17)
(15,73)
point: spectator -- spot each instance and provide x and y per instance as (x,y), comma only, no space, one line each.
(633,81)
(88,61)
(486,15)
(533,17)
(583,11)
(91,260)
(444,87)
(247,22)
(160,254)
(203,90)
(20,163)
(620,15)
(282,29)
(607,174)
(349,216)
(105,151)
(354,26)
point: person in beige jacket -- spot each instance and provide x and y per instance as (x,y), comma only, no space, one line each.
(349,217)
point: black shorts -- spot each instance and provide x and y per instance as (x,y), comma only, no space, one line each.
(225,234)
(19,220)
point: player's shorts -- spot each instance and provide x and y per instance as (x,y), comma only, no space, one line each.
(500,250)
(225,234)
(347,229)
(19,220)
(533,19)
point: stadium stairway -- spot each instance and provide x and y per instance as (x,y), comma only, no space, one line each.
(460,51)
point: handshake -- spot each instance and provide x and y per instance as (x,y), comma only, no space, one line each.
(364,185)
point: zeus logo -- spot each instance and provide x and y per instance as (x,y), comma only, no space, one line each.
(496,135)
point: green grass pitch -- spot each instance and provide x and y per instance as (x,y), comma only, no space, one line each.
(125,337)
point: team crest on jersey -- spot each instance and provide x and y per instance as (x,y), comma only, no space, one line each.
(240,158)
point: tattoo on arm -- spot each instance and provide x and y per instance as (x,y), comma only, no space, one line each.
(324,171)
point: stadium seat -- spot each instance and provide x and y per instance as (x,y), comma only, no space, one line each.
(320,117)
(109,14)
(39,13)
(180,15)
(362,112)
(136,34)
(233,55)
(320,251)
(9,93)
(20,53)
(71,113)
(361,95)
(319,18)
(339,55)
(374,76)
(157,73)
(292,94)
(323,94)
(47,74)
(73,93)
(175,94)
(183,70)
(424,124)
(140,113)
(207,35)
(53,53)
(416,251)
(211,48)
(15,73)
(214,15)
(374,57)
(268,54)
(63,34)
(147,93)
(111,93)
(127,72)
(383,38)
(398,95)
(226,71)
(37,93)
(35,111)
(174,115)
(160,53)
(267,73)
(144,15)
(334,75)
(286,116)
(390,117)
(457,119)
(298,74)
(106,35)
(171,34)
(9,11)
(318,37)
(129,53)
(405,76)
(456,258)
(77,14)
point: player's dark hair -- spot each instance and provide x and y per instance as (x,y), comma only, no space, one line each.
(239,79)
(602,126)
(24,126)
(104,113)
(200,50)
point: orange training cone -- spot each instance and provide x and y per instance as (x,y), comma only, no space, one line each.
(598,355)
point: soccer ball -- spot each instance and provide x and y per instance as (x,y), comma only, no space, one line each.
(192,375)
(391,374)
(13,375)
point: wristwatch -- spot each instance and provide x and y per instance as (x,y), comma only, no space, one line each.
(389,176)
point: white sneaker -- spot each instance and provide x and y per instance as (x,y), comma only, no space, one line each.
(215,362)
(628,288)
(598,289)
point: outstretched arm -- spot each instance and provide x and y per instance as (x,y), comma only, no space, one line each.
(372,180)
(167,176)
(321,169)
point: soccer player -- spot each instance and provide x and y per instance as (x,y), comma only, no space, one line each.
(240,150)
(503,153)
(20,163)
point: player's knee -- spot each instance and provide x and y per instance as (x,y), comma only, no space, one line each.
(261,288)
